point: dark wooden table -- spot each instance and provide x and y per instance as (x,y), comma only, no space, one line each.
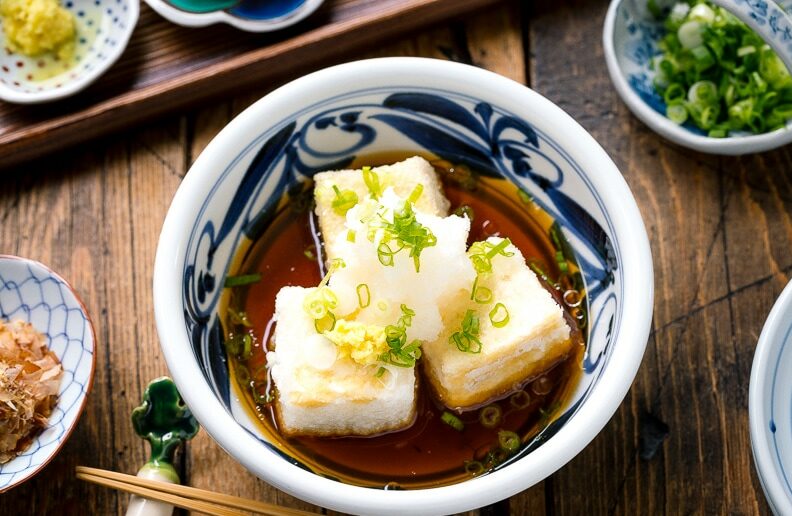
(721,234)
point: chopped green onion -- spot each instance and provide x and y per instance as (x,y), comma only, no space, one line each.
(773,69)
(380,372)
(372,182)
(690,34)
(416,193)
(704,92)
(563,266)
(309,252)
(452,421)
(351,236)
(715,72)
(508,441)
(326,323)
(482,253)
(482,295)
(674,93)
(319,303)
(677,113)
(520,400)
(364,295)
(499,315)
(465,211)
(537,270)
(703,57)
(702,13)
(242,280)
(500,248)
(466,340)
(524,196)
(744,51)
(405,232)
(490,416)
(240,345)
(239,318)
(474,467)
(344,200)
(495,457)
(385,254)
(400,353)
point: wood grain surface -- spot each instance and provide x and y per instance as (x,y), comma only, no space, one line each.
(166,67)
(721,235)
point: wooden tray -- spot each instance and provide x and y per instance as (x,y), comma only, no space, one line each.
(167,67)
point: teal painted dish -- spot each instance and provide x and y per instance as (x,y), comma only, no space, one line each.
(248,15)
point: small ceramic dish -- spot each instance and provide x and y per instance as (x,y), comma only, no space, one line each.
(248,15)
(429,107)
(630,38)
(33,293)
(770,405)
(103,31)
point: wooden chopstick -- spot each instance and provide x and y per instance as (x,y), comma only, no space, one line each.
(178,501)
(185,497)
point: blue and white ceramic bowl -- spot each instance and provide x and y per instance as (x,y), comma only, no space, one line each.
(33,293)
(770,405)
(103,31)
(248,15)
(630,38)
(457,112)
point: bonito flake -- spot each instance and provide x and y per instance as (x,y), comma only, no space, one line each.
(30,376)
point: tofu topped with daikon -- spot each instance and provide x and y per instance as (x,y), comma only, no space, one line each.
(335,192)
(396,255)
(329,376)
(505,330)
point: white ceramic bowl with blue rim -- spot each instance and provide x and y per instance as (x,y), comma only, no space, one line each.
(103,31)
(460,113)
(248,15)
(770,405)
(630,38)
(33,293)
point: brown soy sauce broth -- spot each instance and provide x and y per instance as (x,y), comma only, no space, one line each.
(430,452)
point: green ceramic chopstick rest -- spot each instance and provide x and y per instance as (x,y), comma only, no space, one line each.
(165,422)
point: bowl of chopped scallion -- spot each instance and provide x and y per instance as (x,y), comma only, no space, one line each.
(708,75)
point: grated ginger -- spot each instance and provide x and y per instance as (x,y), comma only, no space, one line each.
(30,375)
(34,27)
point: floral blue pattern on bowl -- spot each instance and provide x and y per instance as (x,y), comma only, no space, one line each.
(770,405)
(33,293)
(103,31)
(249,15)
(329,134)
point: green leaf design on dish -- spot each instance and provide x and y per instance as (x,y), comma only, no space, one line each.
(203,6)
(163,420)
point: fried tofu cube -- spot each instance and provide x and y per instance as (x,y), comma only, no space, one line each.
(535,338)
(321,392)
(403,177)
